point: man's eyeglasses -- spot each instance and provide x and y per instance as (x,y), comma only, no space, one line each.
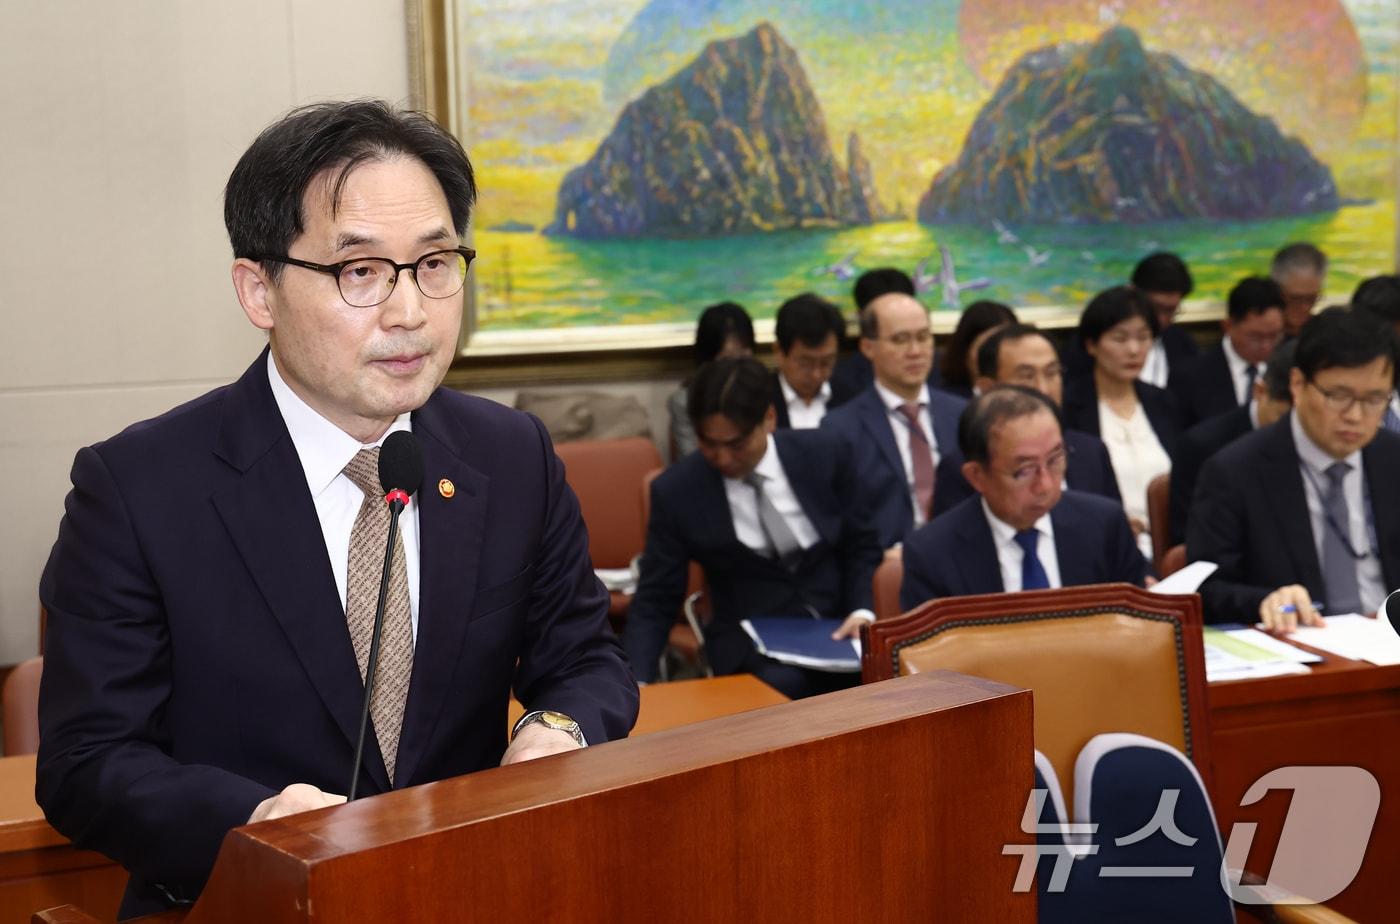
(1054,466)
(1341,400)
(369,281)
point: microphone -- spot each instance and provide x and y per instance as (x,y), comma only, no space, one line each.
(400,475)
(1390,610)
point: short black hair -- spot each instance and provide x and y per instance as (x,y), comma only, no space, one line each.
(989,353)
(1163,272)
(1298,255)
(1276,371)
(809,318)
(1380,295)
(995,406)
(976,318)
(1339,338)
(1112,307)
(871,284)
(869,323)
(717,324)
(740,388)
(263,201)
(1253,295)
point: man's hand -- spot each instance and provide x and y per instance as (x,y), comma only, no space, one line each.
(851,627)
(298,797)
(537,740)
(1288,608)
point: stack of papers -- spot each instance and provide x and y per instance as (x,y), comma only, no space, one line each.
(804,642)
(1360,638)
(1238,653)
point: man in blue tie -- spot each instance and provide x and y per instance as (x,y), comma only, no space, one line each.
(1023,530)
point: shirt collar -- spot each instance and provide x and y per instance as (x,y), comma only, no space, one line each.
(324,448)
(1003,532)
(1313,455)
(770,467)
(790,394)
(1236,361)
(894,402)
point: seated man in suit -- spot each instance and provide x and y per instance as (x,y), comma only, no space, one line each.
(1272,399)
(807,334)
(1308,510)
(1019,354)
(1300,269)
(896,426)
(854,373)
(772,519)
(1024,531)
(213,589)
(1222,378)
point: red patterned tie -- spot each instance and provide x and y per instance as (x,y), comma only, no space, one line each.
(921,453)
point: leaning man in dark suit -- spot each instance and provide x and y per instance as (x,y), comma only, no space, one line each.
(211,592)
(772,519)
(1023,531)
(1308,509)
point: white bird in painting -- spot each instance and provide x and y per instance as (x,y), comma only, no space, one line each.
(948,279)
(1004,234)
(923,279)
(1087,256)
(842,269)
(1036,257)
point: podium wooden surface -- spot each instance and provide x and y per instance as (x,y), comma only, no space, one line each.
(889,801)
(1341,713)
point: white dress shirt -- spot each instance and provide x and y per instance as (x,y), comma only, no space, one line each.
(1010,555)
(1315,463)
(801,415)
(324,450)
(1239,371)
(1138,457)
(1155,369)
(900,425)
(743,508)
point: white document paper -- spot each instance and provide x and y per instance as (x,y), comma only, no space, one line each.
(1186,581)
(1353,636)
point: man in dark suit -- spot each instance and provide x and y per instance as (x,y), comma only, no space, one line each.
(1271,400)
(210,595)
(1023,532)
(807,334)
(853,373)
(771,517)
(1019,354)
(1308,510)
(895,428)
(1222,378)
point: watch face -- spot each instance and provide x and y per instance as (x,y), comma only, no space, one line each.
(558,720)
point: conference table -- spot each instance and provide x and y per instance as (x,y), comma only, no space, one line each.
(1341,713)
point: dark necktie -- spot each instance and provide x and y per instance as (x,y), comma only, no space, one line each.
(1033,576)
(366,567)
(921,456)
(1251,372)
(1338,563)
(781,539)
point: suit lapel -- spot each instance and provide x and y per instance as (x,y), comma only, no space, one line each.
(1289,503)
(1076,568)
(804,480)
(875,417)
(451,535)
(976,553)
(271,519)
(780,404)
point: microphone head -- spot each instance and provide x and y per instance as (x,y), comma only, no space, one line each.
(1390,609)
(401,463)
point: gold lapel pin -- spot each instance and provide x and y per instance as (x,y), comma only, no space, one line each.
(446,488)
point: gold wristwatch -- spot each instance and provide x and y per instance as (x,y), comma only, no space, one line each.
(556,720)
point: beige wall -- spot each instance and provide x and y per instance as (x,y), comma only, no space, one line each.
(122,122)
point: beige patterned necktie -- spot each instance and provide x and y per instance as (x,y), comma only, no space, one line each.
(366,566)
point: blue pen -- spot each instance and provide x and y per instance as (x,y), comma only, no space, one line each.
(1291,608)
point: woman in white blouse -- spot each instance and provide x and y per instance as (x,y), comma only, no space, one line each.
(1138,422)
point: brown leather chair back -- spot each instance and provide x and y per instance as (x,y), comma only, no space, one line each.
(600,472)
(20,698)
(1173,561)
(1103,658)
(888,576)
(1159,514)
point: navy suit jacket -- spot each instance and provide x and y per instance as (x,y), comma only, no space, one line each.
(864,423)
(955,555)
(1081,410)
(1199,443)
(1090,471)
(690,520)
(1204,387)
(197,659)
(1250,516)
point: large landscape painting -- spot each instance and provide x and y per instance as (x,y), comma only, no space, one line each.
(639,159)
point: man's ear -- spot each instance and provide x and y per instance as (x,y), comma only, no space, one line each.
(254,292)
(867,348)
(976,475)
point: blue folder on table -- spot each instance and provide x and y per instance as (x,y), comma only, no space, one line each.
(804,642)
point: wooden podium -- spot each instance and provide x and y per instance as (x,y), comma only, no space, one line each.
(890,802)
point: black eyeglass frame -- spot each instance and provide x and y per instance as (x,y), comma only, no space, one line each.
(334,270)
